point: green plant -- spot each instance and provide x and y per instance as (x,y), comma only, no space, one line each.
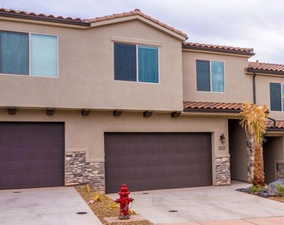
(255,188)
(280,189)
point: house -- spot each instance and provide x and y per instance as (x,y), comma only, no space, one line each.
(125,99)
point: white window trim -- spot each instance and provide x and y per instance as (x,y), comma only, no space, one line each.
(30,61)
(211,80)
(137,63)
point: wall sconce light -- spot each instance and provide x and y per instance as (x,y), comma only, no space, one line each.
(85,112)
(12,111)
(175,114)
(222,138)
(147,114)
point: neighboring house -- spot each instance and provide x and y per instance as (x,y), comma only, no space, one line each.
(125,99)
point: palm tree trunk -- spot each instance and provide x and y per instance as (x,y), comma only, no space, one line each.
(251,156)
(258,178)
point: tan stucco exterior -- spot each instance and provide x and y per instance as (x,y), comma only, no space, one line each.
(237,85)
(86,71)
(87,133)
(263,92)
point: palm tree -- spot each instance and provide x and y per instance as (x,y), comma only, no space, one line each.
(254,122)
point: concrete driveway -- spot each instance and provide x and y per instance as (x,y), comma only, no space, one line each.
(44,206)
(203,204)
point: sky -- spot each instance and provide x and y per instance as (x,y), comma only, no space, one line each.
(257,24)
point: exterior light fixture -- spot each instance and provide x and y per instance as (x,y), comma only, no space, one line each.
(222,138)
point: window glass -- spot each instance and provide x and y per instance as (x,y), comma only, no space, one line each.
(14,53)
(275,96)
(43,55)
(125,62)
(217,72)
(203,75)
(148,64)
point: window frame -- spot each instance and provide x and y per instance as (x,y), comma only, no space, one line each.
(281,96)
(137,62)
(211,81)
(30,61)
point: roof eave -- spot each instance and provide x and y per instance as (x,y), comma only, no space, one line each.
(213,110)
(43,19)
(258,71)
(238,53)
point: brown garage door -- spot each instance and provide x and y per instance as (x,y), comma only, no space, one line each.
(31,155)
(148,161)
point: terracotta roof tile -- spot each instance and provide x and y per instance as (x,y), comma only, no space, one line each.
(41,16)
(134,13)
(219,48)
(265,68)
(79,21)
(191,106)
(279,124)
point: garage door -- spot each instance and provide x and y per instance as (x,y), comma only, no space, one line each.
(31,155)
(148,161)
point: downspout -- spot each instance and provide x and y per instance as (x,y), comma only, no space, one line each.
(253,88)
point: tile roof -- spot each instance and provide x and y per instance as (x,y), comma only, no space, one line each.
(43,17)
(191,106)
(259,67)
(279,125)
(85,22)
(134,13)
(219,48)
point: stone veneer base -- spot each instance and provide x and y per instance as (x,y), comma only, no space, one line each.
(79,171)
(223,173)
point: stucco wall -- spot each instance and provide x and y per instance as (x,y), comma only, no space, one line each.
(263,93)
(272,151)
(86,134)
(237,85)
(86,71)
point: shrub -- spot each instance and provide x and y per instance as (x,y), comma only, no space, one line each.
(256,188)
(280,189)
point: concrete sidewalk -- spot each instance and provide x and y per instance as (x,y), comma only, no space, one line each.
(256,221)
(44,206)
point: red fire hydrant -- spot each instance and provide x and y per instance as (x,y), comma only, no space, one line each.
(124,201)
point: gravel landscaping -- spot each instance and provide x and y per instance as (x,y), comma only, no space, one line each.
(105,207)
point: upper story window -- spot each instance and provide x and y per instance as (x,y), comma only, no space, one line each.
(28,54)
(210,75)
(138,63)
(276,97)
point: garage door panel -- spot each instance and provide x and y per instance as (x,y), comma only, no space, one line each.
(157,160)
(31,154)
